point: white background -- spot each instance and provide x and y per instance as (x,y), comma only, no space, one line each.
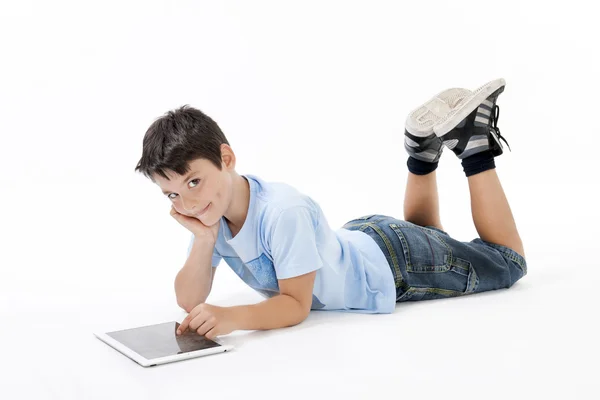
(315,94)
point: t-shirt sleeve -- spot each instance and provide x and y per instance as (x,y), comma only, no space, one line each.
(216,257)
(293,243)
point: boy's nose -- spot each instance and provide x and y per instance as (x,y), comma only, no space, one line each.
(192,210)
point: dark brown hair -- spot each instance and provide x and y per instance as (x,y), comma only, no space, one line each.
(177,138)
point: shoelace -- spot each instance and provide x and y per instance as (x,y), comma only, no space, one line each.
(495,117)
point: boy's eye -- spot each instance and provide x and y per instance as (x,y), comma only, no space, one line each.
(193,180)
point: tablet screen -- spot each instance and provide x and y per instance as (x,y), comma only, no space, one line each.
(160,340)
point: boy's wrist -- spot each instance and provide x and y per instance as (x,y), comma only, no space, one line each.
(204,240)
(240,316)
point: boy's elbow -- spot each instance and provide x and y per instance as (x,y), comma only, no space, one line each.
(300,317)
(187,302)
(302,314)
(188,306)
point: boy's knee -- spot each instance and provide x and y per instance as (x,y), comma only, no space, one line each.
(519,249)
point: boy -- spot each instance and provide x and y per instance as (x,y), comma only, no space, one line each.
(278,241)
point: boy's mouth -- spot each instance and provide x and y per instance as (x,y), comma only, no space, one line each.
(203,211)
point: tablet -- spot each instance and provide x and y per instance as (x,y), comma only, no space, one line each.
(159,344)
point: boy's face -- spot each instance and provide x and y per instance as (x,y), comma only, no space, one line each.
(204,185)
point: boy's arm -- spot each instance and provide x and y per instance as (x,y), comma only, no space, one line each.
(290,307)
(193,283)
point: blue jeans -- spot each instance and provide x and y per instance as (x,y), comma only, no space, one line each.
(428,264)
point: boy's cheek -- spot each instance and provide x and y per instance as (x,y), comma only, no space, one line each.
(181,211)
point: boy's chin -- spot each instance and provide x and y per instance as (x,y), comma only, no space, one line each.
(208,221)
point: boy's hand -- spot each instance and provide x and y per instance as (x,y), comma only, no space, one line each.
(196,226)
(209,321)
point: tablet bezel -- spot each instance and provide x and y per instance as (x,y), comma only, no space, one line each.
(147,362)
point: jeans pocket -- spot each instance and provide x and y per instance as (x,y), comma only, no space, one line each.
(432,270)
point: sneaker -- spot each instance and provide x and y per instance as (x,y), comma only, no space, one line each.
(473,126)
(420,140)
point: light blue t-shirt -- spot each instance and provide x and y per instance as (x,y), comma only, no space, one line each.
(285,235)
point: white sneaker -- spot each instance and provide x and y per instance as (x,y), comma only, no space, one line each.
(420,140)
(473,126)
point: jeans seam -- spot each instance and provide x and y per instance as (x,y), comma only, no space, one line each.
(443,242)
(472,277)
(445,292)
(390,248)
(404,244)
(504,250)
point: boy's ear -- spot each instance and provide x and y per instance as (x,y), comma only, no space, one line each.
(227,156)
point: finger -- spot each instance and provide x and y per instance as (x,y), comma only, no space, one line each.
(212,333)
(198,321)
(186,322)
(183,325)
(206,326)
(190,317)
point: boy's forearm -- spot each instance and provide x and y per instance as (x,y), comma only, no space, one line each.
(193,282)
(277,312)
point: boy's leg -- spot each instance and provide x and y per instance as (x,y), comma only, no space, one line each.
(421,202)
(491,212)
(424,147)
(473,135)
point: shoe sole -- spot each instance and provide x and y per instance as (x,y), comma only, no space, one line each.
(430,105)
(462,112)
